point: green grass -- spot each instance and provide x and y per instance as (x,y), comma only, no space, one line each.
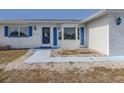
(10,55)
(97,75)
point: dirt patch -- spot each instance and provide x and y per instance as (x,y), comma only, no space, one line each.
(85,52)
(7,56)
(97,74)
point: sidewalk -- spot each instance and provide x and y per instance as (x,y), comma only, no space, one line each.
(44,56)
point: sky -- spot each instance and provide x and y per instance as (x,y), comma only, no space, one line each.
(46,13)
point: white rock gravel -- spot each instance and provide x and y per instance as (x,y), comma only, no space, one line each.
(62,67)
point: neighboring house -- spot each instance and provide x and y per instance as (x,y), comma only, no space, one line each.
(103,32)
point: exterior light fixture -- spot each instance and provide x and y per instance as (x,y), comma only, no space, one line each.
(35,28)
(118,21)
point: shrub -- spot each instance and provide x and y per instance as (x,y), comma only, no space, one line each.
(5,47)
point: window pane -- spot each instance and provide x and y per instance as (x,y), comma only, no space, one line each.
(78,33)
(24,31)
(60,33)
(69,33)
(14,31)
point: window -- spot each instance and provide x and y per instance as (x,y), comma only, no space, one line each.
(60,33)
(69,33)
(78,33)
(24,31)
(15,31)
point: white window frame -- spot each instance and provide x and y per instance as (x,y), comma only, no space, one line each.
(19,27)
(64,33)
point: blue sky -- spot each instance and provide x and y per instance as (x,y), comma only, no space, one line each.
(46,13)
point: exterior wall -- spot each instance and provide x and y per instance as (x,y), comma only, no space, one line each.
(20,42)
(116,34)
(26,42)
(69,43)
(36,39)
(98,34)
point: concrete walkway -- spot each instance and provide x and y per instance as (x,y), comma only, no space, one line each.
(43,55)
(39,55)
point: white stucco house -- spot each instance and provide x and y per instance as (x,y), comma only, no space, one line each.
(103,32)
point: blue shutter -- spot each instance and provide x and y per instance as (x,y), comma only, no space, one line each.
(6,31)
(55,36)
(30,30)
(82,35)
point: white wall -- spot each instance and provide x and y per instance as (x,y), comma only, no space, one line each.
(98,34)
(69,43)
(116,34)
(36,40)
(26,42)
(20,42)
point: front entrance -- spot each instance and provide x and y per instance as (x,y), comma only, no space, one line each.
(46,36)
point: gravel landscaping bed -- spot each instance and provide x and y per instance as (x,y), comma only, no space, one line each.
(62,67)
(63,72)
(85,52)
(95,75)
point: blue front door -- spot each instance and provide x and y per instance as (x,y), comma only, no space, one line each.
(55,36)
(81,35)
(45,35)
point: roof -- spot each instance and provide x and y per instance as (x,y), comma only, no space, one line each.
(92,17)
(101,13)
(51,20)
(41,21)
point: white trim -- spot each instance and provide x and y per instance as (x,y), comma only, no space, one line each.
(75,32)
(18,27)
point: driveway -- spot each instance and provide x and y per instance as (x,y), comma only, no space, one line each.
(43,55)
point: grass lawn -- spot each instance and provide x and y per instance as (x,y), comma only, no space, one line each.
(10,55)
(98,74)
